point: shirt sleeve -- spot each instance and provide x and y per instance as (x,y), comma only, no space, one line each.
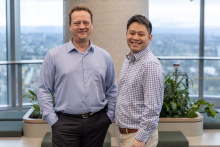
(153,89)
(45,89)
(111,90)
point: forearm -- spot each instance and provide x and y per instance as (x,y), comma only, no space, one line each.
(147,126)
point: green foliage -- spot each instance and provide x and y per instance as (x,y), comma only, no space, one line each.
(32,96)
(177,101)
(33,99)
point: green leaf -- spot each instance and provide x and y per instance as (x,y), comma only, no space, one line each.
(173,106)
(31,92)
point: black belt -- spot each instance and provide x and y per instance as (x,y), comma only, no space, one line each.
(83,116)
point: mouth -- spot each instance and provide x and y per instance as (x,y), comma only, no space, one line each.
(82,32)
(135,43)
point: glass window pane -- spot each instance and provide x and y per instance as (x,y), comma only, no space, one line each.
(212,28)
(212,78)
(190,67)
(3,68)
(3,86)
(41,27)
(2,30)
(175,27)
(30,76)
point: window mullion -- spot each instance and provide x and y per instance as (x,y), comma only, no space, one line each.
(13,47)
(201,49)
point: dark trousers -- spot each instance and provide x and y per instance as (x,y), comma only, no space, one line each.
(71,131)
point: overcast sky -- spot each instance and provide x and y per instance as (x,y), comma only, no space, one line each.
(183,13)
(37,12)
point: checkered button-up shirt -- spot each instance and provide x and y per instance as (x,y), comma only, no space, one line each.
(140,94)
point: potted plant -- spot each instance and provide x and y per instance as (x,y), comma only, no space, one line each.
(179,111)
(34,125)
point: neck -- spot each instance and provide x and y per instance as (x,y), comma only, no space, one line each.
(81,45)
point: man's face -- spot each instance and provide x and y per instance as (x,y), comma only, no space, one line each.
(81,26)
(138,37)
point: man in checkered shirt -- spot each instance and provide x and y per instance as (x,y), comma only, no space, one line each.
(140,89)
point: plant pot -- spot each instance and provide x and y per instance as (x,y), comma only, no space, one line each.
(34,127)
(188,126)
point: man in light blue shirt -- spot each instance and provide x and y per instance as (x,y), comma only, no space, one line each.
(81,75)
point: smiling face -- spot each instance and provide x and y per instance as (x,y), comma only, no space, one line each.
(138,37)
(81,26)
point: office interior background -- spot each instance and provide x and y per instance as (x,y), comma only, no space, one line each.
(185,32)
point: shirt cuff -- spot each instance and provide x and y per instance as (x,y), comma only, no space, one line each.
(111,116)
(51,118)
(142,136)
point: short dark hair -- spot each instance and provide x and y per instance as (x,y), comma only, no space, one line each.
(80,8)
(142,20)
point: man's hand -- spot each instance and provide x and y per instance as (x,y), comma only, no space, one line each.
(138,143)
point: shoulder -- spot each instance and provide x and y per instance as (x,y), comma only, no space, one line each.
(150,60)
(59,49)
(56,53)
(101,52)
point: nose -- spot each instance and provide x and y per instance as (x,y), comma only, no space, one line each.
(135,37)
(82,26)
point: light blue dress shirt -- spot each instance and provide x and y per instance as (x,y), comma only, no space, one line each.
(81,83)
(140,94)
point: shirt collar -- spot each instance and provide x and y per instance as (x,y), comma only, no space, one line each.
(138,55)
(71,46)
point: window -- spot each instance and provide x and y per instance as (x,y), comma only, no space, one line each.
(212,49)
(3,68)
(41,30)
(175,27)
(2,30)
(41,27)
(30,76)
(176,34)
(186,66)
(3,86)
(33,28)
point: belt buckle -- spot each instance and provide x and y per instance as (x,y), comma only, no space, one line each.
(126,130)
(85,115)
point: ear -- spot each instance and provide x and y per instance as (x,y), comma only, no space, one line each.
(150,38)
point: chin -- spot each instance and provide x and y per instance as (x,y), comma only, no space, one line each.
(83,37)
(134,51)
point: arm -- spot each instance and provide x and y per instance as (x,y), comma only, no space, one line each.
(153,89)
(111,90)
(45,89)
